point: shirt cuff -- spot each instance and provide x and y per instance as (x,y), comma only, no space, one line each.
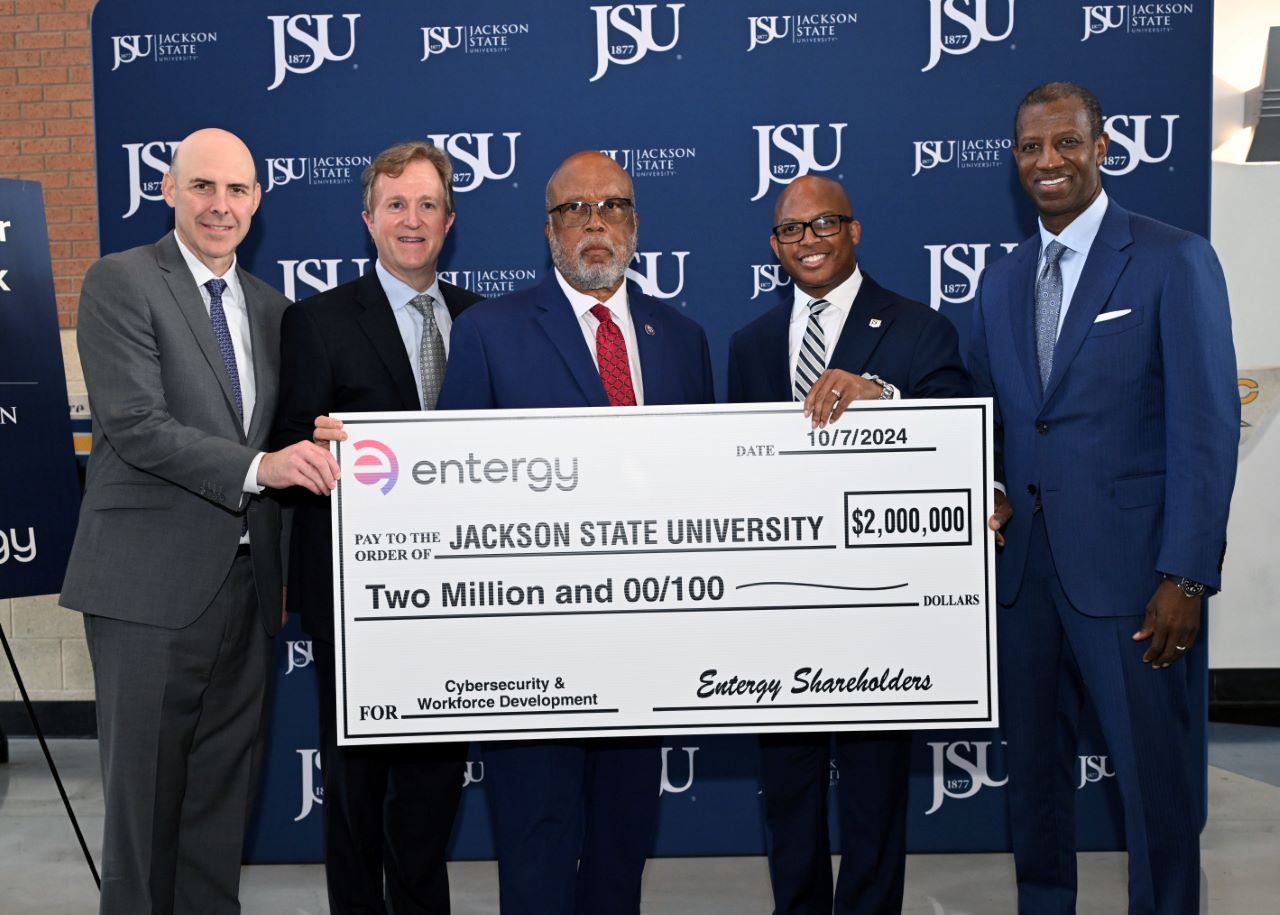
(1000,487)
(251,478)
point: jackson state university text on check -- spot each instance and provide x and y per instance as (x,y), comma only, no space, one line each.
(541,573)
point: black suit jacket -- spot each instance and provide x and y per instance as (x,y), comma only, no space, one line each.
(339,351)
(910,346)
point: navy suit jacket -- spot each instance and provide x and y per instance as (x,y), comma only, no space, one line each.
(1132,446)
(912,347)
(526,350)
(341,351)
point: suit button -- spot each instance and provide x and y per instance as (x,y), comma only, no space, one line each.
(1031,489)
(1042,427)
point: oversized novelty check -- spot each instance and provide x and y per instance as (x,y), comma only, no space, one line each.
(607,572)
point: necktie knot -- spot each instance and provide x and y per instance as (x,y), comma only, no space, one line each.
(602,313)
(818,306)
(424,302)
(1053,252)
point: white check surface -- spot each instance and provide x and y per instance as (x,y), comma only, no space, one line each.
(664,569)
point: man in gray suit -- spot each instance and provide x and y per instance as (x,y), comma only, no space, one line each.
(177,559)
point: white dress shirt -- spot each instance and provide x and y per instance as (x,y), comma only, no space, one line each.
(233,306)
(409,320)
(619,306)
(1078,239)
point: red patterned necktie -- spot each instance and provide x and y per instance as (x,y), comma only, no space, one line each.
(611,354)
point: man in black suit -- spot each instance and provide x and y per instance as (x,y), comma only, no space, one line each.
(841,337)
(376,343)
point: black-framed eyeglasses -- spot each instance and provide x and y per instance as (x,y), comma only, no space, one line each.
(791,232)
(612,210)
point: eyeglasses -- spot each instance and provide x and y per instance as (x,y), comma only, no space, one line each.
(613,210)
(791,232)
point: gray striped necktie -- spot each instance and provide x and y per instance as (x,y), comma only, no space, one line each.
(1048,308)
(813,352)
(431,358)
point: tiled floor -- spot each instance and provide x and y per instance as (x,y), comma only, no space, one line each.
(42,870)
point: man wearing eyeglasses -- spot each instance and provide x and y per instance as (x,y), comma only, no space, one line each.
(575,818)
(839,337)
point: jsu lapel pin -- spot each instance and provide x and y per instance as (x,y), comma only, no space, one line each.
(874,322)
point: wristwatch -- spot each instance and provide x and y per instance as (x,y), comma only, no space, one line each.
(1188,587)
(886,390)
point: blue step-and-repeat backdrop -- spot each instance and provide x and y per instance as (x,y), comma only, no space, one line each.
(713,106)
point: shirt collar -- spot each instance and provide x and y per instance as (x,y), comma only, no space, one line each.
(1079,234)
(618,303)
(841,298)
(201,273)
(398,292)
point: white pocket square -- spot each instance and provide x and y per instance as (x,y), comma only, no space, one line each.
(1111,315)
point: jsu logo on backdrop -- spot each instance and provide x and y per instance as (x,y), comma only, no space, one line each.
(489,38)
(652,161)
(963,768)
(661,282)
(162,47)
(491,281)
(312,783)
(1133,137)
(319,274)
(798,146)
(298,655)
(473,159)
(797,28)
(626,33)
(315,170)
(767,278)
(303,43)
(980,152)
(954,270)
(960,26)
(148,164)
(1139,18)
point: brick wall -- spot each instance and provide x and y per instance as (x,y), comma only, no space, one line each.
(46,128)
(46,135)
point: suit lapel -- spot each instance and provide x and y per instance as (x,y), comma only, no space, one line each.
(775,353)
(1022,305)
(191,305)
(858,338)
(651,340)
(375,318)
(266,345)
(558,322)
(1102,269)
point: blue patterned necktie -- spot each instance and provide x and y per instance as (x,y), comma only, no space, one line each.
(218,318)
(813,352)
(1048,308)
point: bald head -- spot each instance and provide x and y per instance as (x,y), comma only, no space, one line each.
(218,143)
(584,170)
(809,186)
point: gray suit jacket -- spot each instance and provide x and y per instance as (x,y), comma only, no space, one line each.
(161,517)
